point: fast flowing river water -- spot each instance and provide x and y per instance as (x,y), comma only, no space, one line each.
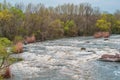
(68,59)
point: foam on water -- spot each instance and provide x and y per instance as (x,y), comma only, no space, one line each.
(63,59)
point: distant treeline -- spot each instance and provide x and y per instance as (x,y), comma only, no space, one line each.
(55,22)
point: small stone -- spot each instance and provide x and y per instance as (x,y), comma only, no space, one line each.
(106,39)
(87,41)
(83,49)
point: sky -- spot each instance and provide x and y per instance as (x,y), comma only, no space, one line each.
(105,5)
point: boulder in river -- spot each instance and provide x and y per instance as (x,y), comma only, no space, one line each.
(112,58)
(30,39)
(98,35)
(105,34)
(101,34)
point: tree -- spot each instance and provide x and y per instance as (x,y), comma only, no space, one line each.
(70,29)
(5,17)
(45,22)
(55,29)
(117,14)
(4,53)
(116,28)
(103,25)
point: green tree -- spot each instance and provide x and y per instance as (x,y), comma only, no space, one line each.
(103,25)
(5,18)
(55,29)
(70,28)
(4,53)
(116,28)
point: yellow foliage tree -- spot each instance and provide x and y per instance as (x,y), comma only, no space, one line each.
(103,25)
(5,15)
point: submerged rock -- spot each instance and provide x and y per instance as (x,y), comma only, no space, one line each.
(106,39)
(83,49)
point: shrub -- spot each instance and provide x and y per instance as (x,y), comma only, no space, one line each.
(17,48)
(18,39)
(4,44)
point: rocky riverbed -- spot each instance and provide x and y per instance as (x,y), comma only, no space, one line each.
(68,59)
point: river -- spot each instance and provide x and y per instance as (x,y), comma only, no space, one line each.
(73,58)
